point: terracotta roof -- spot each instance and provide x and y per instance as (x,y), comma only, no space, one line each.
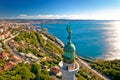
(16,58)
(9,65)
(4,54)
(55,69)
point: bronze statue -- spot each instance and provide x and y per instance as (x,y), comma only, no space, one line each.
(68,28)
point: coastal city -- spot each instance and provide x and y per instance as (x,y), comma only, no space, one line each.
(59,39)
(23,44)
(12,51)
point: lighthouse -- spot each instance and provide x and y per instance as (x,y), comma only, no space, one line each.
(69,66)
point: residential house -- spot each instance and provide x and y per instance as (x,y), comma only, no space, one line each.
(2,37)
(1,47)
(9,65)
(3,55)
(1,30)
(15,58)
(55,69)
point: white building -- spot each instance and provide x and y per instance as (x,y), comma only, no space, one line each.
(1,30)
(69,66)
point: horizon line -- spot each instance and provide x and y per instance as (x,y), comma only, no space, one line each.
(55,19)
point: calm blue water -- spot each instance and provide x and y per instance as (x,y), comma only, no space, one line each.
(92,39)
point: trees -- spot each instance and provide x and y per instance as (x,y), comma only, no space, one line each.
(2,63)
(25,72)
(35,68)
(82,75)
(28,41)
(19,72)
(4,46)
(109,68)
(42,75)
(52,47)
(48,45)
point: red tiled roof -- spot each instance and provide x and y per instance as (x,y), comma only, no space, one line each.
(15,57)
(55,69)
(8,65)
(4,54)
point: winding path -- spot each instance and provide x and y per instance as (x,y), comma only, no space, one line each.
(9,48)
(81,62)
(44,49)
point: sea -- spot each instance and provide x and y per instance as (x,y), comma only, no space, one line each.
(94,39)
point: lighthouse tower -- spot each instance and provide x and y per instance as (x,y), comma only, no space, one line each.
(69,66)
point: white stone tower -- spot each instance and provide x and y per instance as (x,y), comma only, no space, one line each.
(69,66)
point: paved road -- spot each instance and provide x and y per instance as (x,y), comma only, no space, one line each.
(6,43)
(94,71)
(11,37)
(44,49)
(56,41)
(9,48)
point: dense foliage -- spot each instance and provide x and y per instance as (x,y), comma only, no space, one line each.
(109,68)
(2,63)
(82,76)
(50,63)
(85,74)
(25,72)
(48,45)
(28,42)
(34,42)
(4,46)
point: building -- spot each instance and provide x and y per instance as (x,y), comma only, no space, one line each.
(1,30)
(15,58)
(2,37)
(55,69)
(9,65)
(3,55)
(1,49)
(69,66)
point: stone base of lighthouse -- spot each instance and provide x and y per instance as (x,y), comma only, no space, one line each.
(68,70)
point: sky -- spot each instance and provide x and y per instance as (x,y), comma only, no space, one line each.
(60,9)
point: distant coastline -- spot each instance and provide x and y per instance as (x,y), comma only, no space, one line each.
(93,38)
(85,37)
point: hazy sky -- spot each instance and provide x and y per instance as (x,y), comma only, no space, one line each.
(60,9)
